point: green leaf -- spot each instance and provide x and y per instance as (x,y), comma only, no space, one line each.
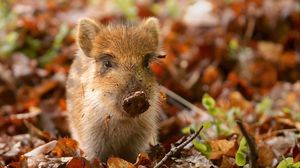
(240,159)
(246,166)
(233,44)
(186,130)
(285,163)
(208,102)
(231,114)
(218,124)
(288,163)
(296,165)
(173,8)
(264,106)
(33,46)
(243,143)
(202,146)
(9,43)
(286,110)
(128,8)
(215,111)
(241,154)
(53,52)
(206,124)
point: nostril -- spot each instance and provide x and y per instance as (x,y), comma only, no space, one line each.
(135,103)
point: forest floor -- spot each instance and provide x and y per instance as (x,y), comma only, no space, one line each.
(232,69)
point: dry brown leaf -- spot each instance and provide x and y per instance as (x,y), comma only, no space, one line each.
(296,153)
(266,156)
(115,162)
(263,73)
(191,159)
(14,165)
(43,149)
(237,100)
(287,122)
(142,159)
(37,132)
(227,162)
(78,162)
(45,86)
(222,147)
(43,161)
(210,75)
(66,147)
(281,144)
(269,50)
(288,60)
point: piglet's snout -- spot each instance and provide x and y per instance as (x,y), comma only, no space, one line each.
(135,103)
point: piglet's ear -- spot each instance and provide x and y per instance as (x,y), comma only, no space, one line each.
(87,31)
(151,25)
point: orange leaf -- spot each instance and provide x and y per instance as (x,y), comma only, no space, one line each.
(78,162)
(222,147)
(37,132)
(31,103)
(142,159)
(62,104)
(210,75)
(114,162)
(266,156)
(66,147)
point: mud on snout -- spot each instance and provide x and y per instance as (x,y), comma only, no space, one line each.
(135,103)
(135,98)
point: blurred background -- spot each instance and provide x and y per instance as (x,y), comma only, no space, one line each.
(245,54)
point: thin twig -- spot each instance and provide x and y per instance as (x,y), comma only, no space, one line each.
(250,28)
(178,148)
(251,143)
(182,100)
(33,112)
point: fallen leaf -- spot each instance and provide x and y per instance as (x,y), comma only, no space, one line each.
(281,144)
(266,156)
(115,162)
(192,159)
(210,75)
(296,153)
(43,149)
(66,147)
(44,161)
(269,50)
(78,162)
(14,165)
(37,132)
(227,162)
(142,160)
(222,147)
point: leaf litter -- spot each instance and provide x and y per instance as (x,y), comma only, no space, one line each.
(238,60)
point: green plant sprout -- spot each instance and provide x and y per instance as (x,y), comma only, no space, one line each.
(52,53)
(241,154)
(288,163)
(264,106)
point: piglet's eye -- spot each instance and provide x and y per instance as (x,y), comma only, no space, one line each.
(107,64)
